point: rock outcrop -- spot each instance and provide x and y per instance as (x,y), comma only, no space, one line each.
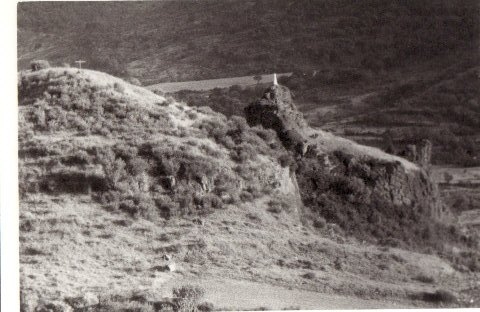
(276,110)
(334,173)
(420,154)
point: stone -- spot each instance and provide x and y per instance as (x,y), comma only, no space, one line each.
(171,267)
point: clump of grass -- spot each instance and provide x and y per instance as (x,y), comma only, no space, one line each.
(119,87)
(309,275)
(319,222)
(253,217)
(277,205)
(205,307)
(134,303)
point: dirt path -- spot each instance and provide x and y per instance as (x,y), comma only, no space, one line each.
(227,294)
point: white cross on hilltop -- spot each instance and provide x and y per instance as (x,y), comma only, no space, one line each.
(275,82)
(80,62)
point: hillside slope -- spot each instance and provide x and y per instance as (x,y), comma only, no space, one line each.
(190,40)
(113,177)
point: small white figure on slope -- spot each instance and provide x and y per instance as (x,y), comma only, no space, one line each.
(275,82)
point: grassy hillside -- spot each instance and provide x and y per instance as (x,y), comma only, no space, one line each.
(136,151)
(113,177)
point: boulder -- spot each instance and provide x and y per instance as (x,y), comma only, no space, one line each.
(171,267)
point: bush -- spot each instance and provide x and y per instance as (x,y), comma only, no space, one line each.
(121,304)
(205,307)
(309,275)
(119,87)
(319,222)
(188,297)
(285,160)
(39,64)
(277,205)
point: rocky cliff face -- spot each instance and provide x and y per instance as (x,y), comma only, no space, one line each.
(421,153)
(275,110)
(346,183)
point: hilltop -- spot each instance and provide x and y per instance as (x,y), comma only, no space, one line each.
(113,177)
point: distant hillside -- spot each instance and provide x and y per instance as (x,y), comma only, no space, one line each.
(435,100)
(192,40)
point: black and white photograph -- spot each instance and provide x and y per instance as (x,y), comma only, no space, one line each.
(246,155)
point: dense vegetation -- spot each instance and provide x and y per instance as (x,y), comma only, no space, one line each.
(137,157)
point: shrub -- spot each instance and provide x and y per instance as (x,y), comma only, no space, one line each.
(121,304)
(246,196)
(188,297)
(192,114)
(207,202)
(205,307)
(319,222)
(242,153)
(119,87)
(285,160)
(277,205)
(309,275)
(139,205)
(39,64)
